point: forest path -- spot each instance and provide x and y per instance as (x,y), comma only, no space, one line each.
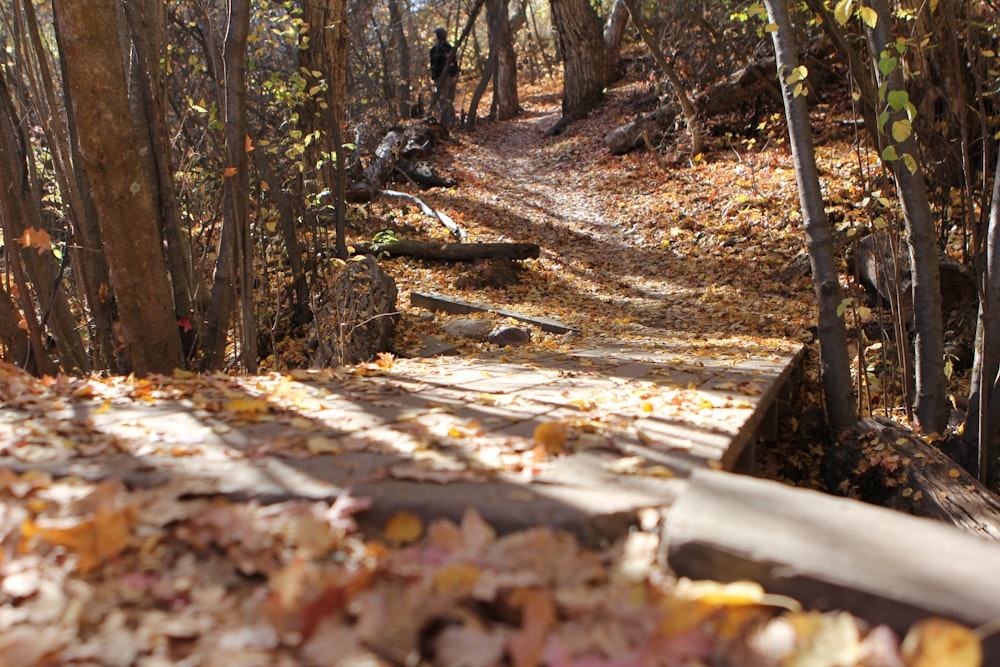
(631,248)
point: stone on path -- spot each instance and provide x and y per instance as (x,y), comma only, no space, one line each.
(469,328)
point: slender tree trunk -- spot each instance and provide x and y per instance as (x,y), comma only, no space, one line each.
(502,47)
(234,268)
(124,202)
(87,247)
(687,106)
(477,94)
(837,383)
(337,53)
(931,405)
(403,85)
(614,30)
(982,423)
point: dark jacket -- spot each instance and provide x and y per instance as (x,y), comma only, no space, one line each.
(439,58)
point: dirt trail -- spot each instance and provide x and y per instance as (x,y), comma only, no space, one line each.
(628,249)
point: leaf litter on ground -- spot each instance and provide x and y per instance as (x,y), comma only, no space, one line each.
(100,573)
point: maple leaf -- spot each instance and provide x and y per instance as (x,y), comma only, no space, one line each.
(185,324)
(38,239)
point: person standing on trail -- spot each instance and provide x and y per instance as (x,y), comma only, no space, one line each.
(444,73)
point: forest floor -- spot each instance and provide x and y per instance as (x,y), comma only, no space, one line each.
(635,250)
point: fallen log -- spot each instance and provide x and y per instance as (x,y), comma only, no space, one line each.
(799,266)
(631,135)
(747,85)
(423,174)
(397,152)
(832,553)
(431,212)
(456,252)
(881,463)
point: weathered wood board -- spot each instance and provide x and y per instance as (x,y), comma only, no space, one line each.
(833,553)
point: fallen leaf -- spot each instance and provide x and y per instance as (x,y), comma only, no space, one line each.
(552,436)
(938,642)
(404,528)
(537,615)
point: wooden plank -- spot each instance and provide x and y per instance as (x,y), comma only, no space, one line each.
(833,553)
(740,456)
(447,251)
(441,303)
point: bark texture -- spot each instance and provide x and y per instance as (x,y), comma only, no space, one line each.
(836,369)
(930,405)
(357,316)
(125,204)
(502,48)
(588,63)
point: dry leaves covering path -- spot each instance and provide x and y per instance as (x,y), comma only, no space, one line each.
(203,519)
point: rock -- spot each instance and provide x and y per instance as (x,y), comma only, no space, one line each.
(469,328)
(513,336)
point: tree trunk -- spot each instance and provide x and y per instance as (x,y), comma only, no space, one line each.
(836,364)
(147,26)
(20,210)
(982,424)
(128,212)
(403,47)
(502,48)
(477,94)
(13,339)
(931,406)
(233,285)
(87,247)
(337,101)
(588,63)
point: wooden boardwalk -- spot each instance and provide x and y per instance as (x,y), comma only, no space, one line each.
(433,436)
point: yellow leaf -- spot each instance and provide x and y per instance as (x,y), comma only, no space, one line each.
(869,16)
(901,130)
(953,473)
(93,540)
(456,578)
(404,528)
(937,642)
(842,12)
(737,593)
(247,405)
(320,444)
(552,436)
